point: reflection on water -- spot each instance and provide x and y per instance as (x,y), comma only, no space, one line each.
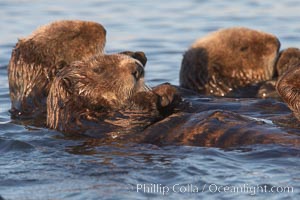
(37,163)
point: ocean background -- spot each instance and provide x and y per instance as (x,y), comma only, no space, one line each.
(37,163)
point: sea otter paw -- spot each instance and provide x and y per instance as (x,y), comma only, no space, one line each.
(145,101)
(167,93)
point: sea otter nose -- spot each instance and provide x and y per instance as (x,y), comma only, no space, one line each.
(139,72)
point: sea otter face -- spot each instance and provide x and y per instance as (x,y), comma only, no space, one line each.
(103,81)
(117,78)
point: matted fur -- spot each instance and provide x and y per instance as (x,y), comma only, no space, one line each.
(82,94)
(36,59)
(288,87)
(229,59)
(287,59)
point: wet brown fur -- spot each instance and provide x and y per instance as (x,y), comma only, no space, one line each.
(229,59)
(100,89)
(36,59)
(288,87)
(287,58)
(104,96)
(214,128)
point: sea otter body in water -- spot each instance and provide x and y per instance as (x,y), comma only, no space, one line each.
(229,60)
(104,96)
(100,91)
(37,58)
(288,85)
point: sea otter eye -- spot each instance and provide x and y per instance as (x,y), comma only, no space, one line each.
(139,72)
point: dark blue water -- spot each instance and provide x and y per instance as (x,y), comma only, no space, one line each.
(37,163)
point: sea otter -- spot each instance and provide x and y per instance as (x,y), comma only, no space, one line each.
(37,58)
(105,97)
(287,59)
(288,83)
(103,93)
(229,62)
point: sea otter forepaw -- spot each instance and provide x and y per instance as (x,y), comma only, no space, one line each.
(145,101)
(168,94)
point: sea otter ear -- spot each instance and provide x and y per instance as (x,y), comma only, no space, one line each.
(139,55)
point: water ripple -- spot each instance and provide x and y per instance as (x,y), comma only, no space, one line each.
(37,163)
(14,145)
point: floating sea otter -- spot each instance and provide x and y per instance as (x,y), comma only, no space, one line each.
(103,93)
(104,96)
(229,62)
(37,58)
(288,85)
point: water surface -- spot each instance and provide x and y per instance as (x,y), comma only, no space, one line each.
(38,163)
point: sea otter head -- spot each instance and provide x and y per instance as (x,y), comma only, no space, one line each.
(113,79)
(101,82)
